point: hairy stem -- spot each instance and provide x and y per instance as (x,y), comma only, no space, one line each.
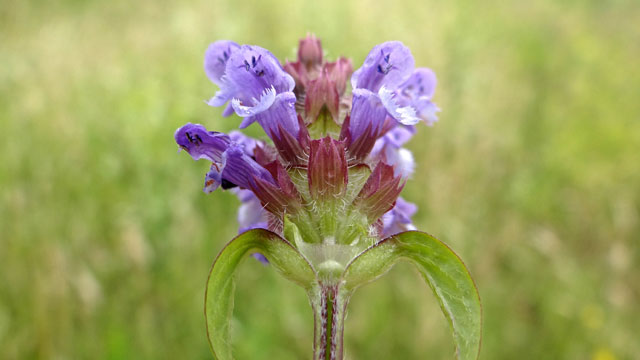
(329,305)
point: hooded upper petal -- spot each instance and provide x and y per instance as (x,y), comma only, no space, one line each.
(252,78)
(388,64)
(216,57)
(253,69)
(200,143)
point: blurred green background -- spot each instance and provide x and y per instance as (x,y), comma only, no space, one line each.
(532,176)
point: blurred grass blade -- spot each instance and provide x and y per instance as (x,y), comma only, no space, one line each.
(443,271)
(220,286)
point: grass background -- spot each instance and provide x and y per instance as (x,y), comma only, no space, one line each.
(532,176)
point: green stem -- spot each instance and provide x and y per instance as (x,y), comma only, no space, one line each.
(329,304)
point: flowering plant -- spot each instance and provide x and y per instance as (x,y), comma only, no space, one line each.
(320,202)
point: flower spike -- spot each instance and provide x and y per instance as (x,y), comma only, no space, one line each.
(320,192)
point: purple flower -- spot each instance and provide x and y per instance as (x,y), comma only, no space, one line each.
(365,124)
(251,214)
(389,64)
(342,184)
(230,165)
(259,90)
(385,69)
(216,58)
(398,219)
(252,78)
(389,149)
(417,92)
(280,118)
(386,90)
(215,63)
(249,144)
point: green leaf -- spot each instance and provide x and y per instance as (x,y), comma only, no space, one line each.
(220,287)
(441,268)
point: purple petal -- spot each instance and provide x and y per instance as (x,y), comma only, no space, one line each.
(240,168)
(388,149)
(227,110)
(427,110)
(421,83)
(398,219)
(249,144)
(367,112)
(402,161)
(216,57)
(261,258)
(404,114)
(388,64)
(213,178)
(252,78)
(200,143)
(231,165)
(227,92)
(405,210)
(259,105)
(417,92)
(398,136)
(254,69)
(251,214)
(282,114)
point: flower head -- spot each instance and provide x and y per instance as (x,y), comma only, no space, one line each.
(320,196)
(335,164)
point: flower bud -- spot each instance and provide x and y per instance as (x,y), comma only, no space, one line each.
(321,92)
(310,51)
(339,71)
(328,174)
